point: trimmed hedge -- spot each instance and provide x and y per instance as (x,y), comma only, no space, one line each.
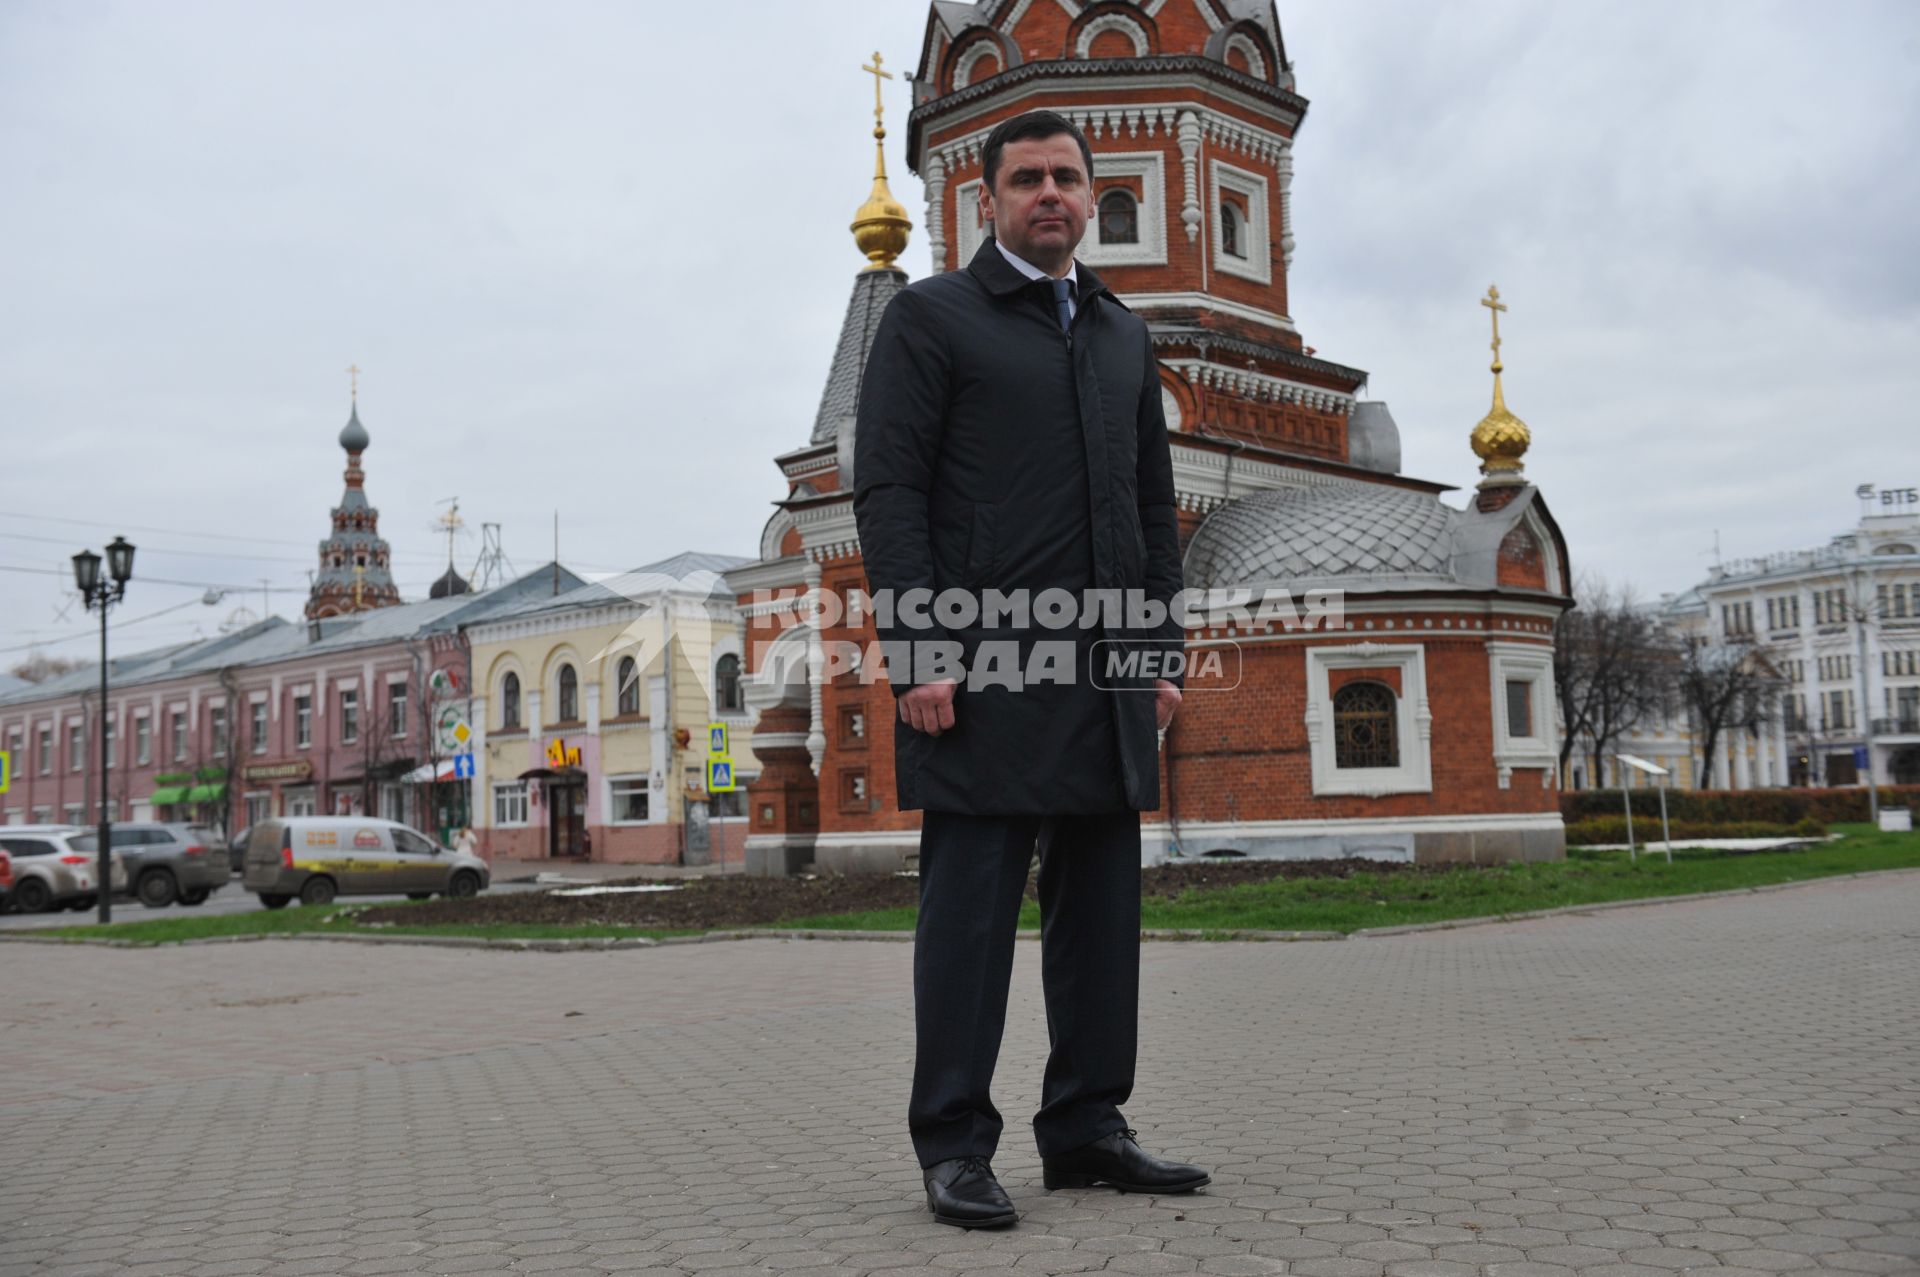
(1723,807)
(1591,833)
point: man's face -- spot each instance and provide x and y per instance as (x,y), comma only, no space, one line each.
(1041,201)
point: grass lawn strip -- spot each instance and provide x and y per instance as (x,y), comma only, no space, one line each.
(1210,899)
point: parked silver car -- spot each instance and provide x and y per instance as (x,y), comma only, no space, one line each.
(51,873)
(315,858)
(168,862)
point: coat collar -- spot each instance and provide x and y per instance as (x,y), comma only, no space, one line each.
(998,276)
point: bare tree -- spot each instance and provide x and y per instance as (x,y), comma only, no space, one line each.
(1726,686)
(40,667)
(1613,670)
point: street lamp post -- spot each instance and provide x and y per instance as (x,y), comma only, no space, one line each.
(101,594)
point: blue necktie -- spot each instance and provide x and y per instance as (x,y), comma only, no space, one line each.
(1062,291)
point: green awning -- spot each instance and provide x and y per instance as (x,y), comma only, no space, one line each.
(168,795)
(207,793)
(211,773)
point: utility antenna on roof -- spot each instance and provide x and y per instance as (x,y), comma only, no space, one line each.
(494,568)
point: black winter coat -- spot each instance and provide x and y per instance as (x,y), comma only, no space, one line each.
(995,450)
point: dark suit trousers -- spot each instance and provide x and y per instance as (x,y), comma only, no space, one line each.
(973,874)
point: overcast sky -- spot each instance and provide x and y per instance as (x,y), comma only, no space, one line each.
(592,258)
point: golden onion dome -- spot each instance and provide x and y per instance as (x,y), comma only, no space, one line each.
(880,226)
(1501,439)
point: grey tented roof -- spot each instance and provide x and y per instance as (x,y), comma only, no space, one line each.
(872,290)
(1288,535)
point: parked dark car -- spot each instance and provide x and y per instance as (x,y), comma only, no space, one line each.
(168,862)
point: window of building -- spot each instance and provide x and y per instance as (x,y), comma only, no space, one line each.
(259,727)
(46,751)
(259,808)
(302,801)
(853,726)
(396,710)
(142,741)
(1519,707)
(76,748)
(179,728)
(1364,723)
(628,795)
(726,684)
(1119,218)
(569,694)
(626,678)
(1233,230)
(510,803)
(510,701)
(349,716)
(732,804)
(302,721)
(217,718)
(853,789)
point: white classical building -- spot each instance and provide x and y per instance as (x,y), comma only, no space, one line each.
(1841,624)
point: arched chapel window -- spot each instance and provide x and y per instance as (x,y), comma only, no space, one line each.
(1119,218)
(569,694)
(1365,725)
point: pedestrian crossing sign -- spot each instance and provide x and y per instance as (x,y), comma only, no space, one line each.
(717,740)
(720,776)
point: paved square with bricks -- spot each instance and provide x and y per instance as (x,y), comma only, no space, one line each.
(1729,1085)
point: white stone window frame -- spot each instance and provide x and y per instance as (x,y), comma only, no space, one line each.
(642,784)
(971,58)
(1413,720)
(1136,33)
(510,789)
(1150,212)
(1533,665)
(1243,43)
(1257,265)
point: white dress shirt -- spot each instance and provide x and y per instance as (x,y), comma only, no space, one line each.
(1031,271)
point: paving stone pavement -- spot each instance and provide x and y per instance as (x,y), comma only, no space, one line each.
(1729,1085)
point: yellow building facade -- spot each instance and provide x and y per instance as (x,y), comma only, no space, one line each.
(591,713)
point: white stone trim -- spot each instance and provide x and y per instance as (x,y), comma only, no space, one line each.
(1206,301)
(934,180)
(1014,15)
(1256,60)
(1072,7)
(1150,167)
(1259,384)
(963,67)
(1257,265)
(1531,663)
(1112,22)
(970,231)
(1413,725)
(1211,18)
(1189,134)
(1549,555)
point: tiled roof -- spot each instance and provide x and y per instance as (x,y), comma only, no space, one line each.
(872,290)
(1288,535)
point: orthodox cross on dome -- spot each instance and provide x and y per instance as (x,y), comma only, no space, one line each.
(353,370)
(1493,303)
(879,108)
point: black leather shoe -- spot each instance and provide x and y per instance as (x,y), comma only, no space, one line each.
(963,1192)
(1118,1161)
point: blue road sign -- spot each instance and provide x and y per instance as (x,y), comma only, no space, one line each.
(463,765)
(1860,756)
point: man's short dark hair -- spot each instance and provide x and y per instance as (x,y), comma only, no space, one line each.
(1031,127)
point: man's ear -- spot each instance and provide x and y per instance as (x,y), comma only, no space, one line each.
(986,203)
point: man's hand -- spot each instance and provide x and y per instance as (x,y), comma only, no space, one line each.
(929,707)
(1166,702)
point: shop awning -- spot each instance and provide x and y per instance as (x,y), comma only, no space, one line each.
(558,774)
(168,794)
(430,773)
(206,793)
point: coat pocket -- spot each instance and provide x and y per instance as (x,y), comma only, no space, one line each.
(981,554)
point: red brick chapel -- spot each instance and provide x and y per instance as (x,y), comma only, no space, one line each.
(1419,725)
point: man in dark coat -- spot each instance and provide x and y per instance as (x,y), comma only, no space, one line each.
(1011,447)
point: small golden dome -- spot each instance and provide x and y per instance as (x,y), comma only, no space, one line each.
(881,224)
(1501,439)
